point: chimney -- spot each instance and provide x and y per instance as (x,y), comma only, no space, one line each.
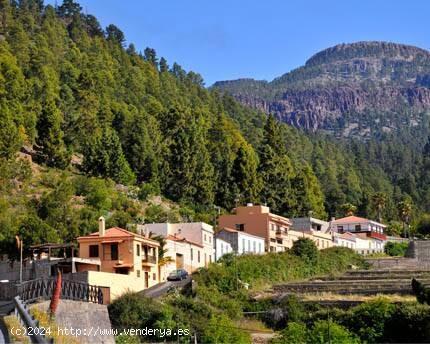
(102,228)
(333,218)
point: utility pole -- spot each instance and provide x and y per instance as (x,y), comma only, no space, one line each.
(19,246)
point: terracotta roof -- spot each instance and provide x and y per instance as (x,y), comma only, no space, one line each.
(117,232)
(354,219)
(182,239)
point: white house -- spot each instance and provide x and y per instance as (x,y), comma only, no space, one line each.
(222,247)
(368,244)
(241,242)
(356,224)
(346,239)
(197,233)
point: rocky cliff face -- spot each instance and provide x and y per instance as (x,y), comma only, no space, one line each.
(352,89)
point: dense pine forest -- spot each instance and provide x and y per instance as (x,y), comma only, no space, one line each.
(107,127)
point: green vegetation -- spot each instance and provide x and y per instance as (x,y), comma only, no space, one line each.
(213,309)
(396,249)
(375,321)
(93,113)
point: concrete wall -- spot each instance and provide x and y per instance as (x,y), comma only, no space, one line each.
(31,269)
(118,284)
(84,316)
(419,249)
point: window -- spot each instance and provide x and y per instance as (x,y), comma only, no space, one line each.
(198,256)
(204,237)
(222,249)
(249,245)
(210,258)
(154,276)
(240,227)
(137,249)
(255,246)
(94,251)
(272,226)
(259,247)
(357,228)
(210,238)
(340,229)
(114,252)
(138,273)
(191,254)
(243,245)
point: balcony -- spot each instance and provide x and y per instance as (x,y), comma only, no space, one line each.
(149,259)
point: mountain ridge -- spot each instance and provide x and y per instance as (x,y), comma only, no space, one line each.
(346,80)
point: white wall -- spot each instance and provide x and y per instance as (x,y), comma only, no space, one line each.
(250,244)
(222,247)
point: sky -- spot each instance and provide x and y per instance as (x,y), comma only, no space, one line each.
(260,39)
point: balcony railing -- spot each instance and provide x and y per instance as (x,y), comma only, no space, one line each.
(149,259)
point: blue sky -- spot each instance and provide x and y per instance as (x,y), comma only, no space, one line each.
(230,39)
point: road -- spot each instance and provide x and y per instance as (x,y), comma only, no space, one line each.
(162,288)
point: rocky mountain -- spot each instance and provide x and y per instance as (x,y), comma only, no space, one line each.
(359,89)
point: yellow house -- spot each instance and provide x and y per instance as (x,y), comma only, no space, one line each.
(118,251)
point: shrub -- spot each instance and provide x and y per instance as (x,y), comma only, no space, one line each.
(305,248)
(368,319)
(326,331)
(396,249)
(293,333)
(221,329)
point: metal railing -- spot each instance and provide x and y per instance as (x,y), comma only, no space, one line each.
(31,325)
(149,259)
(70,290)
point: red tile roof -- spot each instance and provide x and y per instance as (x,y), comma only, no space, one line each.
(117,232)
(353,219)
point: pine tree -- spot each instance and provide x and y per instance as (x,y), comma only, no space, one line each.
(49,142)
(246,182)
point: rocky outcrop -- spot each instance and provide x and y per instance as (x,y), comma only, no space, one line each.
(348,79)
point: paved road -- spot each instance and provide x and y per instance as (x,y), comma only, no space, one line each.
(162,288)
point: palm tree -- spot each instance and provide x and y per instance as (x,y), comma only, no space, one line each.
(163,260)
(379,200)
(405,211)
(348,209)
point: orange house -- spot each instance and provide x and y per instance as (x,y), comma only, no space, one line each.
(119,251)
(259,221)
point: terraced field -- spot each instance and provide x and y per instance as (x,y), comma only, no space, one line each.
(358,282)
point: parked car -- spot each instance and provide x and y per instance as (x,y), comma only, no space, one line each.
(177,275)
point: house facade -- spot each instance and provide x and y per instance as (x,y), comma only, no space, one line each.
(222,247)
(242,242)
(259,221)
(118,251)
(346,239)
(199,235)
(181,254)
(314,229)
(356,224)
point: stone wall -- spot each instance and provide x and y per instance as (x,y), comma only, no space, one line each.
(419,249)
(89,317)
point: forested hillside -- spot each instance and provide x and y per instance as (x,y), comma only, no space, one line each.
(93,112)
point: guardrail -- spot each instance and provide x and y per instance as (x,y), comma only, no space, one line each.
(31,325)
(149,259)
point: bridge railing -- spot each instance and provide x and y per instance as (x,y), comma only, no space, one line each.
(70,290)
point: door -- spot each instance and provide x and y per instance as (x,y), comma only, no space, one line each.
(179,261)
(146,279)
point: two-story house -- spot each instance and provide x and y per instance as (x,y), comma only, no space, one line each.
(369,234)
(316,230)
(259,221)
(189,245)
(118,251)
